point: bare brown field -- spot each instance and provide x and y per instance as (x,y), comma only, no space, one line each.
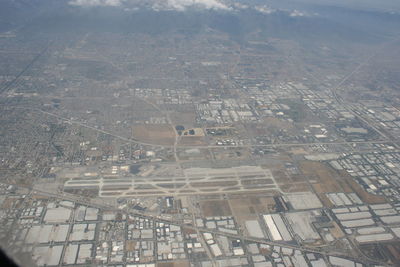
(298,151)
(277,123)
(8,203)
(90,193)
(281,177)
(336,231)
(182,263)
(364,195)
(192,141)
(320,173)
(292,183)
(324,180)
(38,197)
(264,251)
(154,134)
(294,187)
(322,196)
(231,153)
(298,178)
(202,154)
(185,118)
(197,132)
(248,208)
(188,231)
(215,208)
(130,245)
(94,153)
(256,129)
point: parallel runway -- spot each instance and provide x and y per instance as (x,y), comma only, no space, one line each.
(194,181)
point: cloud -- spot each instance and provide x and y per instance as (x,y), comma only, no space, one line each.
(179,5)
(264,9)
(91,3)
(182,5)
(240,6)
(297,13)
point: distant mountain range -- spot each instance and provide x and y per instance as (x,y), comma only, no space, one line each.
(237,18)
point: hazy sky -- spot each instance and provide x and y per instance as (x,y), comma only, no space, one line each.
(386,5)
(382,5)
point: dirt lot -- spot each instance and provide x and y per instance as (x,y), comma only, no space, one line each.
(364,195)
(215,208)
(9,202)
(196,132)
(231,153)
(192,141)
(154,134)
(336,231)
(250,207)
(130,245)
(194,154)
(324,179)
(173,264)
(319,173)
(184,117)
(188,231)
(290,184)
(295,187)
(275,123)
